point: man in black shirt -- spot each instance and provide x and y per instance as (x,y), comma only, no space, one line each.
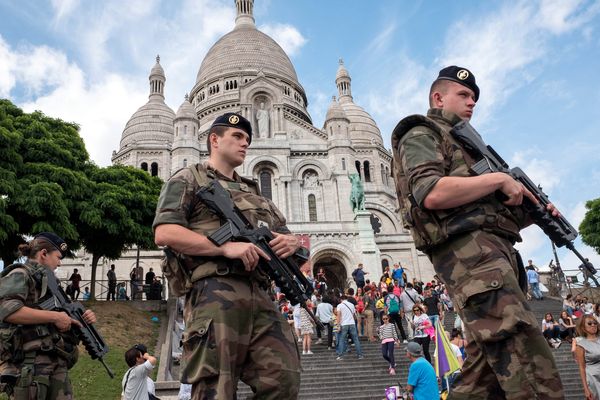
(434,306)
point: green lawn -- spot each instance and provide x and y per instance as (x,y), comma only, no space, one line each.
(121,326)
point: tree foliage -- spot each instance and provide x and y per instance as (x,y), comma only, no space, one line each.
(590,226)
(42,177)
(119,214)
(47,183)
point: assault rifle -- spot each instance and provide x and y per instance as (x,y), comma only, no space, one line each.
(558,229)
(87,333)
(237,228)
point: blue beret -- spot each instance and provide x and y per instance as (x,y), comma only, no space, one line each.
(460,75)
(234,120)
(54,240)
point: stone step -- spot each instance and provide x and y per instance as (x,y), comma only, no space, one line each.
(324,377)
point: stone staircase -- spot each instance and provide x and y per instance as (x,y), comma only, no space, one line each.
(323,377)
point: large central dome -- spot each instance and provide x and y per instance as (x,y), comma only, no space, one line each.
(246,48)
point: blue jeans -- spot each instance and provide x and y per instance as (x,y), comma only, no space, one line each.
(535,290)
(348,330)
(434,319)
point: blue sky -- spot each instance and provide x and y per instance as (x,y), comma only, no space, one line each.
(536,63)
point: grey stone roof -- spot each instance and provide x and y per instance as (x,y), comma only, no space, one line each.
(186,110)
(152,122)
(157,69)
(246,49)
(335,111)
(342,72)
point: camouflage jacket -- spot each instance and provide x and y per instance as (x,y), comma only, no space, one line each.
(25,285)
(179,205)
(424,152)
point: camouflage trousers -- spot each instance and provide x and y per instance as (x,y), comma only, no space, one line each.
(47,381)
(233,331)
(507,356)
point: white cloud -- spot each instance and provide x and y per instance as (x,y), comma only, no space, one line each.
(503,48)
(7,73)
(63,8)
(101,108)
(559,16)
(287,36)
(577,214)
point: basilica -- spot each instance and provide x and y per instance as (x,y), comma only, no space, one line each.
(304,169)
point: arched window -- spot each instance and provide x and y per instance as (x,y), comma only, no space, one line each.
(384,264)
(343,164)
(357,164)
(154,169)
(184,162)
(265,184)
(312,208)
(387,176)
(383,177)
(367,172)
(185,130)
(144,166)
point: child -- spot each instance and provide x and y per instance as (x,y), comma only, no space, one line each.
(306,329)
(389,336)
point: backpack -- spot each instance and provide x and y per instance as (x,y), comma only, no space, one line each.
(394,307)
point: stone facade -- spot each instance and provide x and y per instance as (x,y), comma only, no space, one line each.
(303,168)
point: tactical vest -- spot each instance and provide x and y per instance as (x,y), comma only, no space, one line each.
(19,341)
(430,228)
(182,270)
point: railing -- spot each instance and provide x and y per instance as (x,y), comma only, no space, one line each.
(572,281)
(125,290)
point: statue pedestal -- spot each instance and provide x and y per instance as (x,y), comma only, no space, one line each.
(370,255)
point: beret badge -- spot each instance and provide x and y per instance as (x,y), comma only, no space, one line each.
(462,74)
(234,119)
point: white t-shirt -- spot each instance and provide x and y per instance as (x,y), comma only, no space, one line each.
(137,383)
(420,321)
(347,312)
(324,312)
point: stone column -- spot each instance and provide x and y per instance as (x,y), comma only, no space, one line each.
(369,254)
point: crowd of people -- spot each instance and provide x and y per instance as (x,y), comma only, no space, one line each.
(375,313)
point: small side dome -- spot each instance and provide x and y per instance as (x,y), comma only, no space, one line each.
(186,110)
(157,70)
(342,72)
(335,111)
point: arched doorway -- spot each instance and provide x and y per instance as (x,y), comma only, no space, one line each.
(335,272)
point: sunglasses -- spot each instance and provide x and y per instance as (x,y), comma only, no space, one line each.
(385,318)
(591,323)
(416,309)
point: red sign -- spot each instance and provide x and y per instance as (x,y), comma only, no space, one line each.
(304,241)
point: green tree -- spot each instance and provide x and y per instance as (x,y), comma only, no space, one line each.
(42,177)
(590,226)
(118,214)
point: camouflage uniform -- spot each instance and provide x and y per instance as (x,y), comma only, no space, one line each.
(470,247)
(233,330)
(34,358)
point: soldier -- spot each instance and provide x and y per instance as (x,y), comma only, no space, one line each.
(233,331)
(37,347)
(468,234)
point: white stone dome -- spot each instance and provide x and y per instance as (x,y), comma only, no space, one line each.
(151,123)
(335,111)
(363,125)
(246,49)
(186,110)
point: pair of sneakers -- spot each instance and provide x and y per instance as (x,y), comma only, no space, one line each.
(307,353)
(392,371)
(555,343)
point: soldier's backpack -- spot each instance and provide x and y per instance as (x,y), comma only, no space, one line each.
(178,276)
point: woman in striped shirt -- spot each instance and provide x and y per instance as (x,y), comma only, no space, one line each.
(389,336)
